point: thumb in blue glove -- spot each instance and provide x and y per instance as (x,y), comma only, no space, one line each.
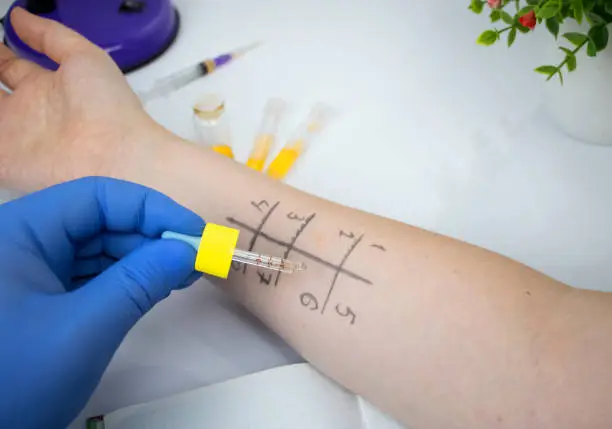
(73,283)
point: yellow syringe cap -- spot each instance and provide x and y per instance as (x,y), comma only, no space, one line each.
(216,250)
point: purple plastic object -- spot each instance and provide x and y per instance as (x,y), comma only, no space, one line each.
(132,35)
(223,59)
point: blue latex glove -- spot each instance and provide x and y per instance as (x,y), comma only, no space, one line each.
(80,264)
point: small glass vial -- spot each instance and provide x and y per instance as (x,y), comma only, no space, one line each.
(211,126)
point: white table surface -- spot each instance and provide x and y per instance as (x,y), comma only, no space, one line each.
(433,130)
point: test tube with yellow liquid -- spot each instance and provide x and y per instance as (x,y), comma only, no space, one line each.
(317,120)
(211,125)
(273,112)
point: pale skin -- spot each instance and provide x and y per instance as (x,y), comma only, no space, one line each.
(447,335)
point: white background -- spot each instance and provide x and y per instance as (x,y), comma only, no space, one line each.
(433,130)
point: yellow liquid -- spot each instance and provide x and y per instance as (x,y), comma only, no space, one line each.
(260,151)
(224,150)
(283,162)
(256,164)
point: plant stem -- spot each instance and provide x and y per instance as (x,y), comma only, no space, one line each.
(503,30)
(575,51)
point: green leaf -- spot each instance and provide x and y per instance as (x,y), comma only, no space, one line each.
(591,49)
(522,29)
(557,72)
(511,37)
(487,38)
(599,37)
(547,70)
(609,7)
(553,26)
(576,39)
(578,10)
(588,5)
(495,15)
(476,6)
(525,10)
(549,9)
(508,19)
(595,19)
(570,60)
(533,2)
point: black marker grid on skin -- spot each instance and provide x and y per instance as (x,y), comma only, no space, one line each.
(259,229)
(338,268)
(307,299)
(299,232)
(299,251)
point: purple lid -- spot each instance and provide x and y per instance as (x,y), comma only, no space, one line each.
(133,32)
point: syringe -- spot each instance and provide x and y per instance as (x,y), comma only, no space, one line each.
(179,79)
(217,249)
(317,120)
(273,112)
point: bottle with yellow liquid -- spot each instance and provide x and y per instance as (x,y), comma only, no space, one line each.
(211,126)
(273,112)
(317,120)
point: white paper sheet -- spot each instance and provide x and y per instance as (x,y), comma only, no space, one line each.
(294,396)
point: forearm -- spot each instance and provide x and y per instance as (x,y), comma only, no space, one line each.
(437,332)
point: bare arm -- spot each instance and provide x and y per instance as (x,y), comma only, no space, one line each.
(436,332)
(439,333)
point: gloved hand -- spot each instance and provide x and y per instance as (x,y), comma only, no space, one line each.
(80,263)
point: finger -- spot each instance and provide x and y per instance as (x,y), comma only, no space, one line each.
(87,267)
(115,245)
(77,283)
(133,285)
(194,277)
(49,37)
(85,208)
(104,310)
(131,208)
(13,70)
(78,211)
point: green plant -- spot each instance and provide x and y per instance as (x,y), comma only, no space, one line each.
(521,16)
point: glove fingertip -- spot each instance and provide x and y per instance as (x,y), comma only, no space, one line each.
(194,277)
(145,276)
(174,259)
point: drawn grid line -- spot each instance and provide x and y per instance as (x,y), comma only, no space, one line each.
(338,270)
(258,231)
(293,241)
